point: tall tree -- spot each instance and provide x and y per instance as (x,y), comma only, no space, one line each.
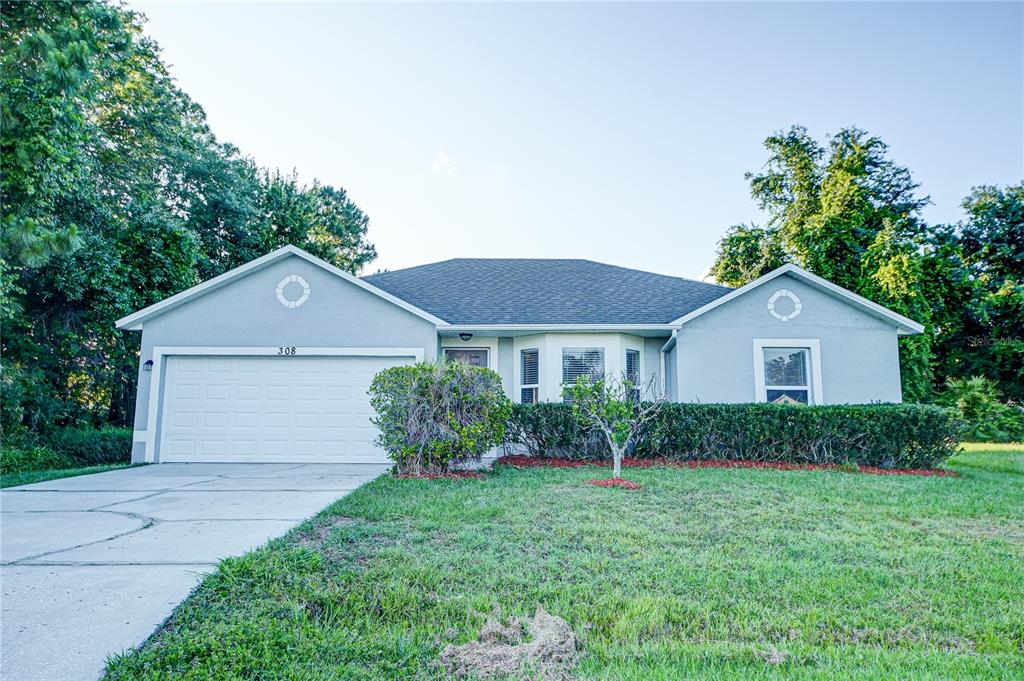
(990,341)
(51,57)
(115,195)
(846,212)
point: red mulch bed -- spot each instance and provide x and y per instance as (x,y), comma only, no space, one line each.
(521,461)
(615,482)
(454,475)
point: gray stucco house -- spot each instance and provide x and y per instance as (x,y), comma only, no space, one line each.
(271,361)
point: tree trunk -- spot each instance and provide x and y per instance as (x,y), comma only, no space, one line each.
(616,462)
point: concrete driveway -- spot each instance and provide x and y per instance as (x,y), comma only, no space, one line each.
(91,565)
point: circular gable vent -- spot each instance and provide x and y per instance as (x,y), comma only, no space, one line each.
(289,286)
(787,310)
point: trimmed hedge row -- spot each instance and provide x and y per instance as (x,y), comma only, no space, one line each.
(886,435)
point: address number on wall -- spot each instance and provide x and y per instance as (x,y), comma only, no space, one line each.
(286,350)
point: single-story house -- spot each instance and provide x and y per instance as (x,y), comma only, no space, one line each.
(271,361)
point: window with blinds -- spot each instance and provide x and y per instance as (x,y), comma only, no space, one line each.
(578,362)
(786,375)
(633,366)
(633,373)
(529,375)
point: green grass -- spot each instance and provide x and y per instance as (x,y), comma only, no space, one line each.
(28,477)
(694,577)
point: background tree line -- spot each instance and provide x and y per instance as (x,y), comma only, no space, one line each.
(115,194)
(845,211)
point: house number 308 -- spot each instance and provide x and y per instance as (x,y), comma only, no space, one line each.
(286,351)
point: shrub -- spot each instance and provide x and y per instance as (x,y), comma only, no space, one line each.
(549,429)
(886,435)
(27,457)
(91,446)
(432,416)
(986,419)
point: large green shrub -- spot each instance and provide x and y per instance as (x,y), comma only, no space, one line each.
(91,446)
(888,435)
(986,418)
(434,415)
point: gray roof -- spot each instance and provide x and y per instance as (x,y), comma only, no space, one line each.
(532,291)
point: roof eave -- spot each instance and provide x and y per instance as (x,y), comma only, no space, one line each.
(134,321)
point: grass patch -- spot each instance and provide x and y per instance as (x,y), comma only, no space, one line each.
(28,477)
(701,574)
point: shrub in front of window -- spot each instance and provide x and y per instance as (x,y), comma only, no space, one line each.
(434,416)
(886,435)
(548,429)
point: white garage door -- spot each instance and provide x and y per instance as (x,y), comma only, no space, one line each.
(270,409)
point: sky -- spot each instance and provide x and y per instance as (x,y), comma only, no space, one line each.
(613,132)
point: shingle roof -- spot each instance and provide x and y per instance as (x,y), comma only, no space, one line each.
(534,291)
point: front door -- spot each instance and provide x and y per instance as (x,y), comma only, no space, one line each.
(474,357)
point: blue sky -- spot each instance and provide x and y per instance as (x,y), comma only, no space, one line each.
(618,133)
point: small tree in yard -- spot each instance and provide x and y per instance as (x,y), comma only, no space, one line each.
(433,415)
(612,407)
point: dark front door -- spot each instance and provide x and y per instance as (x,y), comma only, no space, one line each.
(476,357)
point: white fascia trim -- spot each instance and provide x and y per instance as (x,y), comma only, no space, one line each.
(813,344)
(905,325)
(162,351)
(133,322)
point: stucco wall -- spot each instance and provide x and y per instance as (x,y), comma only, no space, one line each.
(247,313)
(859,354)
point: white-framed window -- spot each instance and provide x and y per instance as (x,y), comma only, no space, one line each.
(578,362)
(633,372)
(787,370)
(529,375)
(477,357)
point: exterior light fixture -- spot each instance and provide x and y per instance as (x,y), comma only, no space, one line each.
(465,336)
(148,366)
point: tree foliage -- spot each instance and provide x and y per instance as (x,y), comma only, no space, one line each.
(846,211)
(610,407)
(116,194)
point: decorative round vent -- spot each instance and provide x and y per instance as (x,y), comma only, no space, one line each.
(299,283)
(784,293)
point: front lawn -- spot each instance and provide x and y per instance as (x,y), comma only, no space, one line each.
(702,574)
(28,477)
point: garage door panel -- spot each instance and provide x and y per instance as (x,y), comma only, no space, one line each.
(282,409)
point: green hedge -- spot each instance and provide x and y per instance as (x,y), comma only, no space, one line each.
(91,446)
(66,448)
(20,458)
(887,435)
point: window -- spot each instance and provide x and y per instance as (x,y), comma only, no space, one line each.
(633,372)
(476,357)
(787,375)
(578,362)
(529,375)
